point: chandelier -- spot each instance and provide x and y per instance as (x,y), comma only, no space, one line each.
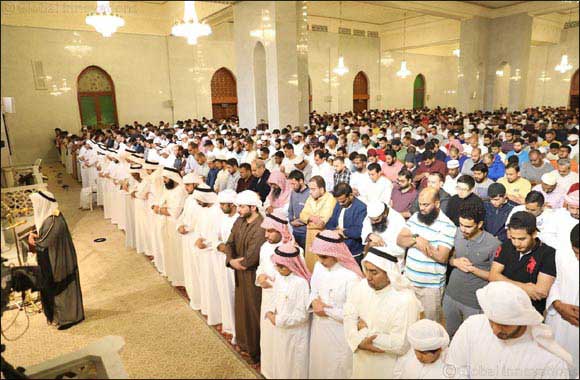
(564,65)
(404,71)
(103,20)
(341,69)
(190,27)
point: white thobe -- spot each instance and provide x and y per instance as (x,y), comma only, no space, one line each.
(330,355)
(450,185)
(549,225)
(388,313)
(157,221)
(409,367)
(130,214)
(142,212)
(292,330)
(267,342)
(221,181)
(395,223)
(361,182)
(188,219)
(476,353)
(172,255)
(206,260)
(101,182)
(225,277)
(565,289)
(379,191)
(108,187)
(325,171)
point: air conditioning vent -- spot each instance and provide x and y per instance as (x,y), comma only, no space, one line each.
(344,31)
(319,28)
(358,32)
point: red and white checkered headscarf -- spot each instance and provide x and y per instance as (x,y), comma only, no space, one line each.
(279,179)
(278,221)
(330,243)
(288,255)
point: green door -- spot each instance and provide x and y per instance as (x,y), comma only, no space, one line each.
(107,108)
(419,92)
(89,110)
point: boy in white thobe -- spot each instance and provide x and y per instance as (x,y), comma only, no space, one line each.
(277,233)
(288,313)
(140,196)
(225,275)
(185,226)
(426,358)
(377,314)
(562,303)
(508,340)
(335,272)
(206,237)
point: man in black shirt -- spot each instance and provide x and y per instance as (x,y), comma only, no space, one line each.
(465,195)
(525,261)
(260,182)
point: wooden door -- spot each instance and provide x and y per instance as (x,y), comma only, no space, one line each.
(360,92)
(224,98)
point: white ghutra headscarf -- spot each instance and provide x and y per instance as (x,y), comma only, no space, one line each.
(44,205)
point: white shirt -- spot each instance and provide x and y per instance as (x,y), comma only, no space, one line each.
(450,185)
(325,171)
(548,223)
(379,191)
(361,182)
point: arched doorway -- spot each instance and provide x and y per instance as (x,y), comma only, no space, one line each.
(224,98)
(575,91)
(419,92)
(360,92)
(96,97)
(260,86)
(501,87)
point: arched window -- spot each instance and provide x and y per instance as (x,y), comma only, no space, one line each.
(419,92)
(96,97)
(360,92)
(224,98)
(575,91)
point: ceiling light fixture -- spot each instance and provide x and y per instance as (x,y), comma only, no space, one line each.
(341,69)
(404,71)
(190,27)
(104,20)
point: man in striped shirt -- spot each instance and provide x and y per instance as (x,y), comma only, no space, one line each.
(429,237)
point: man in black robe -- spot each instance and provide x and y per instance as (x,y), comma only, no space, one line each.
(61,295)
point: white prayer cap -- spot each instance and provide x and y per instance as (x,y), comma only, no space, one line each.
(227,196)
(573,138)
(467,135)
(505,303)
(322,139)
(191,178)
(297,134)
(172,173)
(452,164)
(212,132)
(204,194)
(375,209)
(248,198)
(427,335)
(330,128)
(210,157)
(264,138)
(549,179)
(221,157)
(299,158)
(224,132)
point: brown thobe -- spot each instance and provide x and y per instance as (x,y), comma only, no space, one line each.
(245,241)
(61,296)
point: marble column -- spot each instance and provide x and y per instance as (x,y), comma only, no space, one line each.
(280,27)
(486,45)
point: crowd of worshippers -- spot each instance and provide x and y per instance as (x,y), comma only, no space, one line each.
(406,244)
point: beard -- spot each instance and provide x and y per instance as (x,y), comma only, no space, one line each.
(170,185)
(276,192)
(380,227)
(429,218)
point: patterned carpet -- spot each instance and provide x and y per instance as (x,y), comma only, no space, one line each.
(124,295)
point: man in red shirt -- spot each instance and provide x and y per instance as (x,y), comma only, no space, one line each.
(427,166)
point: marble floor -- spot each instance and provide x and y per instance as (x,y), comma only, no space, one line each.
(123,295)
